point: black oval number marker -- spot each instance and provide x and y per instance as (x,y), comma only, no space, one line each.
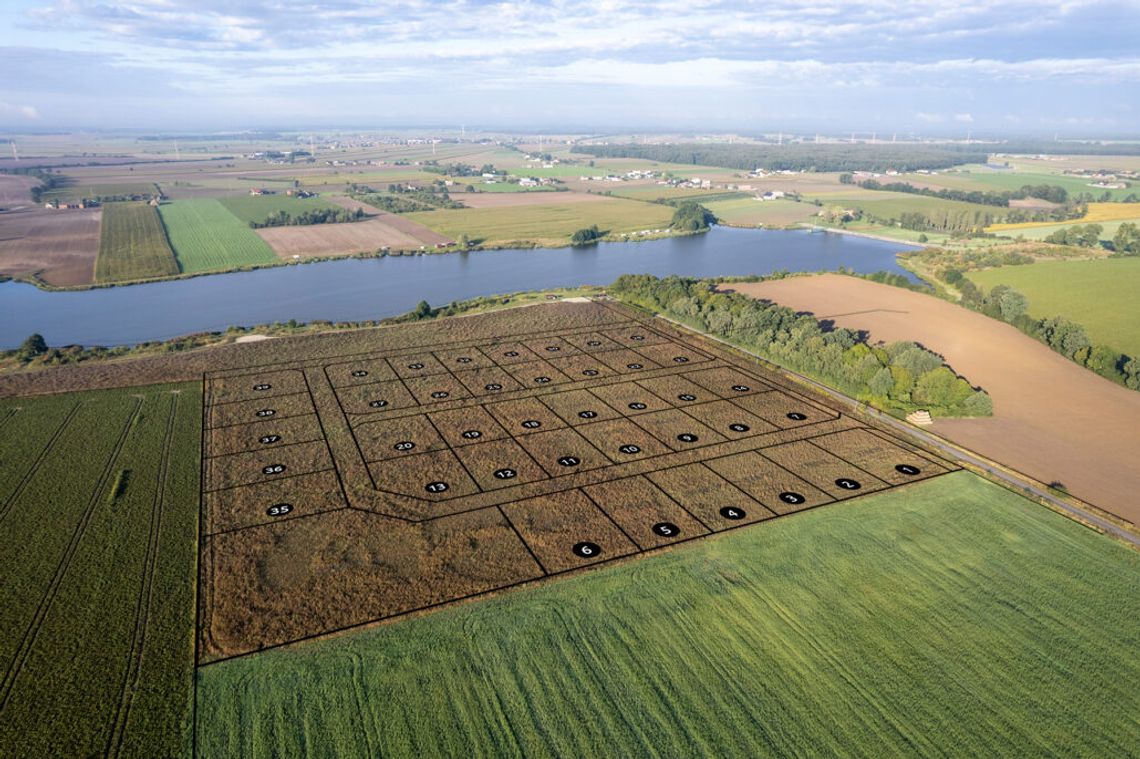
(360,373)
(404,445)
(262,386)
(436,487)
(506,474)
(377,404)
(587,414)
(532,424)
(587,550)
(848,484)
(472,434)
(464,360)
(637,337)
(590,372)
(629,449)
(268,439)
(440,394)
(667,529)
(273,469)
(492,386)
(553,348)
(687,437)
(266,412)
(741,388)
(796,416)
(680,359)
(542,380)
(738,427)
(634,366)
(417,366)
(638,406)
(908,469)
(732,512)
(792,498)
(279,509)
(686,397)
(511,354)
(593,343)
(569,461)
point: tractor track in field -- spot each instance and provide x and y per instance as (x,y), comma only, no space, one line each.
(134,658)
(27,478)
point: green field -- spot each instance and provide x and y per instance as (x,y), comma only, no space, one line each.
(1109,228)
(206,237)
(77,190)
(1102,295)
(889,205)
(254,208)
(951,617)
(551,224)
(749,212)
(98,525)
(132,244)
(996,180)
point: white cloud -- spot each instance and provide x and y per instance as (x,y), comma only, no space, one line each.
(963,118)
(929,118)
(23,111)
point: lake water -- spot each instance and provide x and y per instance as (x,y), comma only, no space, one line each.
(366,289)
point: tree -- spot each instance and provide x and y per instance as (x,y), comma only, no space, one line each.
(33,346)
(692,217)
(1127,239)
(586,236)
(423,310)
(1012,304)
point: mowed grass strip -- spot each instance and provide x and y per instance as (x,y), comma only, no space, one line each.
(255,208)
(207,237)
(948,617)
(1101,295)
(546,224)
(97,552)
(133,245)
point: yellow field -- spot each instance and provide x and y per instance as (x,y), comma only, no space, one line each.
(1098,212)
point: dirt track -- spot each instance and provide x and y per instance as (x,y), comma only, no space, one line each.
(1052,419)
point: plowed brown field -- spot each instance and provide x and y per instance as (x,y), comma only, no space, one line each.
(1053,420)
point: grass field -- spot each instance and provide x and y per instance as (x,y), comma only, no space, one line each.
(751,212)
(251,208)
(98,520)
(551,224)
(951,617)
(206,236)
(77,189)
(1102,295)
(890,205)
(133,244)
(981,178)
(1108,215)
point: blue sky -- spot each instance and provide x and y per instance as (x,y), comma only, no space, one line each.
(931,67)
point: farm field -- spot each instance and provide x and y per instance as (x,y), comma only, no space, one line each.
(749,212)
(881,626)
(980,178)
(360,487)
(254,209)
(76,189)
(1108,215)
(1084,443)
(1100,295)
(205,236)
(496,199)
(133,245)
(98,524)
(889,205)
(549,223)
(57,247)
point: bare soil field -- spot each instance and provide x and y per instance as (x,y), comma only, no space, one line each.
(60,247)
(505,199)
(1053,420)
(341,490)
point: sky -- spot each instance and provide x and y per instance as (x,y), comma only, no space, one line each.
(933,68)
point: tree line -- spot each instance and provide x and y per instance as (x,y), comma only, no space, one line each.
(899,377)
(309,218)
(798,156)
(1047,192)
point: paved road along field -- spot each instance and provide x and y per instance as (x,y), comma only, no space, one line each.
(1052,419)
